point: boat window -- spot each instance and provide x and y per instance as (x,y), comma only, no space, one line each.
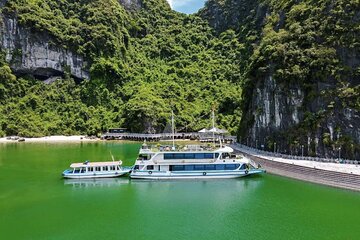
(189,156)
(105,168)
(117,167)
(82,170)
(136,167)
(177,168)
(220,167)
(90,169)
(199,156)
(231,166)
(210,167)
(209,155)
(199,167)
(144,157)
(189,167)
(225,155)
(97,169)
(76,170)
(179,156)
(112,168)
(150,167)
(243,166)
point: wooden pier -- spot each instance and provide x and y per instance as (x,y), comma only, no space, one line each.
(163,136)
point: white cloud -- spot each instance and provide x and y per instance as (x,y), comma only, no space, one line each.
(179,3)
(171,3)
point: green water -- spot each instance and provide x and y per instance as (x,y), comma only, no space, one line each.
(35,203)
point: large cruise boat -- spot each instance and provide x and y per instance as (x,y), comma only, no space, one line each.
(190,162)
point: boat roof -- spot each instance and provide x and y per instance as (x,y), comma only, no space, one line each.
(95,164)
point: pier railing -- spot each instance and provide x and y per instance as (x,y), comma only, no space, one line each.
(150,135)
(254,151)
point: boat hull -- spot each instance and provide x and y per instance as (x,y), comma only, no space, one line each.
(158,175)
(92,175)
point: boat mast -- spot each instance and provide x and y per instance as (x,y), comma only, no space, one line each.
(213,125)
(173,129)
(112,157)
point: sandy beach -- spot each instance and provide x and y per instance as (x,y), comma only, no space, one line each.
(52,139)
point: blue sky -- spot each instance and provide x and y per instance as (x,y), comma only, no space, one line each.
(186,6)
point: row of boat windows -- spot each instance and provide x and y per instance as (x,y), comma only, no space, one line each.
(205,167)
(168,156)
(96,169)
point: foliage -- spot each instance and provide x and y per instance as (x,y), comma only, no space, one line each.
(143,64)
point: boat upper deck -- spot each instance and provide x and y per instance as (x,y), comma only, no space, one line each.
(182,149)
(95,164)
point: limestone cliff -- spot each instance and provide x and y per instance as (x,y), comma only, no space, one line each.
(3,2)
(32,52)
(131,4)
(301,81)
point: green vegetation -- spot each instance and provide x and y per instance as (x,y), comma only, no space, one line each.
(143,64)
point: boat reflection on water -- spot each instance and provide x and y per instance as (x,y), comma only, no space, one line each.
(251,183)
(88,183)
(218,187)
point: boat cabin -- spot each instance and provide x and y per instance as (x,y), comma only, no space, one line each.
(88,167)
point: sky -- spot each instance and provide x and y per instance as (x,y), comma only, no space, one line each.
(186,6)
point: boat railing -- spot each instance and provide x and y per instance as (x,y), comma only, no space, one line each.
(178,148)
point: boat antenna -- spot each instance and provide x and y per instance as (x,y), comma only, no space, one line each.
(112,157)
(173,129)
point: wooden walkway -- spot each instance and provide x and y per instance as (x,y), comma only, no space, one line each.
(148,137)
(319,176)
(162,136)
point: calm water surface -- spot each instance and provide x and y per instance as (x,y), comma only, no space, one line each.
(35,203)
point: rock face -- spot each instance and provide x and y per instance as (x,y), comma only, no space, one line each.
(273,109)
(278,112)
(131,4)
(233,14)
(33,53)
(295,113)
(3,2)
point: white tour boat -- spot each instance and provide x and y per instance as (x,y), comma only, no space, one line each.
(96,170)
(190,162)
